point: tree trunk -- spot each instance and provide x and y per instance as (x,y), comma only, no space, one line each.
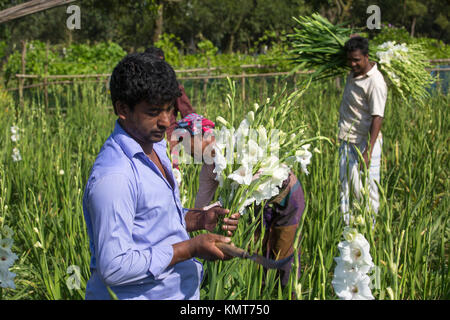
(230,44)
(158,23)
(413,26)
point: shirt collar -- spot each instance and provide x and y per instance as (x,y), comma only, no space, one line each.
(368,74)
(130,147)
(373,70)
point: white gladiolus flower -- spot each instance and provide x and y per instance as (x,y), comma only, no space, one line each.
(14,129)
(265,191)
(242,131)
(243,175)
(394,51)
(274,146)
(220,179)
(6,244)
(279,174)
(356,252)
(343,267)
(303,156)
(262,136)
(255,152)
(177,175)
(15,137)
(352,286)
(388,44)
(7,232)
(61,172)
(219,160)
(383,57)
(256,107)
(7,258)
(246,203)
(16,155)
(7,279)
(269,164)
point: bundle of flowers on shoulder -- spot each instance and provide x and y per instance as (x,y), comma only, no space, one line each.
(405,68)
(318,45)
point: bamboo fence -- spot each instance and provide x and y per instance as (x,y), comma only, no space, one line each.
(184,74)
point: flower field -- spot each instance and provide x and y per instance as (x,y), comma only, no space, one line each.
(46,157)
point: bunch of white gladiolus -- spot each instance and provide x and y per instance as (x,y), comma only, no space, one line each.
(351,280)
(252,161)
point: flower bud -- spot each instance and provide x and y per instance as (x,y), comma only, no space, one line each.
(251,117)
(222,121)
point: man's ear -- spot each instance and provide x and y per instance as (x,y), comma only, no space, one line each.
(122,109)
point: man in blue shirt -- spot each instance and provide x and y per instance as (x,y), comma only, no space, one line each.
(138,230)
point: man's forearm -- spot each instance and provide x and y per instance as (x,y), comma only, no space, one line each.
(375,129)
(195,220)
(182,251)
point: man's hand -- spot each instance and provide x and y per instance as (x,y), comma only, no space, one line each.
(366,158)
(204,247)
(229,224)
(198,219)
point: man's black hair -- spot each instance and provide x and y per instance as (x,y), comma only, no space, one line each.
(356,43)
(155,52)
(140,77)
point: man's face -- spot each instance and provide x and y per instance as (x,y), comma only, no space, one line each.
(146,124)
(357,61)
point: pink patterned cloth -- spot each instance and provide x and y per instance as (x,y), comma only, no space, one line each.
(195,124)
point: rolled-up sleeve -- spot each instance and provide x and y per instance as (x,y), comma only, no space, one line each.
(111,205)
(377,99)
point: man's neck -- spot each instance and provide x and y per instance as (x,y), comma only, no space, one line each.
(146,147)
(368,68)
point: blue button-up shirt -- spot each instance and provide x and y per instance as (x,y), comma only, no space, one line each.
(133,217)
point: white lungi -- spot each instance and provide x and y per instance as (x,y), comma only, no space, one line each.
(349,171)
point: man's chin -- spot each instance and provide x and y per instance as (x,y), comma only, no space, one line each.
(155,138)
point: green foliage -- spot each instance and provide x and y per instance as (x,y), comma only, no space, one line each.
(169,43)
(75,59)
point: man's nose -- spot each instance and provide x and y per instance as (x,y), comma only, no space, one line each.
(164,119)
